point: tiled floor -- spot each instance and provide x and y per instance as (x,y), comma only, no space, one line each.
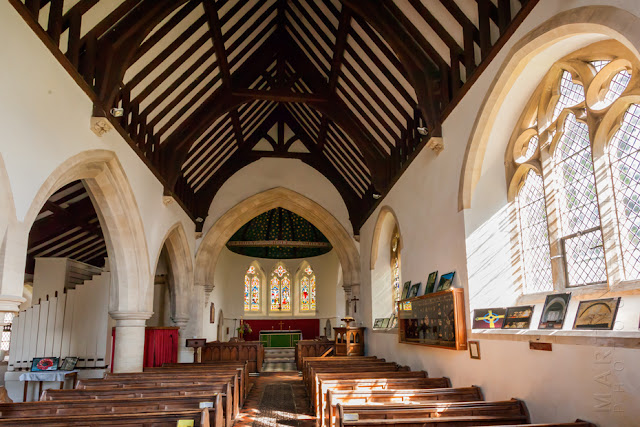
(279,367)
(250,412)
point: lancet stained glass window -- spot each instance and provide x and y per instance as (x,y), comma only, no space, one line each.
(395,269)
(308,290)
(280,289)
(251,290)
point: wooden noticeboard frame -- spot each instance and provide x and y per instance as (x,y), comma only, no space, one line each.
(427,308)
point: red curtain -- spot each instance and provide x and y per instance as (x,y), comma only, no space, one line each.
(310,327)
(160,346)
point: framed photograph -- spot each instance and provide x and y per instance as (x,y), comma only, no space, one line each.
(474,349)
(393,321)
(69,364)
(488,318)
(431,283)
(597,314)
(377,323)
(385,323)
(554,311)
(212,313)
(405,290)
(44,364)
(414,290)
(518,317)
(446,281)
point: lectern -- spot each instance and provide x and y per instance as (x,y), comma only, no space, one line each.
(349,341)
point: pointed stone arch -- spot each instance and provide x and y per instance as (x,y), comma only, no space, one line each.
(117,209)
(216,238)
(384,216)
(181,271)
(593,23)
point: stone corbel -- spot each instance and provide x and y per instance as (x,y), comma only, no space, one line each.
(436,144)
(167,200)
(100,125)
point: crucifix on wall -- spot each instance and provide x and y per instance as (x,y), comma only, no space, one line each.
(355,300)
(281,324)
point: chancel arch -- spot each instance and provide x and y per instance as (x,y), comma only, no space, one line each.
(217,237)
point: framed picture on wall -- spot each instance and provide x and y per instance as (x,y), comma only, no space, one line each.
(405,290)
(597,314)
(446,281)
(212,313)
(414,290)
(554,311)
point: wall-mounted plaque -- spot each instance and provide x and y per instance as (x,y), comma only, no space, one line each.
(435,320)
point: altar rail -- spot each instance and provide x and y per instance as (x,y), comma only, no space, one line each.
(311,348)
(246,351)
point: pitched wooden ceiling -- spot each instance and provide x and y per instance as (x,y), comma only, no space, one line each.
(210,86)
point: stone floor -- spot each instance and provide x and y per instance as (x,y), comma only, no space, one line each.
(275,412)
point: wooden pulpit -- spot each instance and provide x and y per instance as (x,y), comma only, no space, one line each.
(349,341)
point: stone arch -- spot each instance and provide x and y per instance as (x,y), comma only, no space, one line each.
(586,25)
(117,209)
(386,213)
(216,238)
(10,278)
(181,270)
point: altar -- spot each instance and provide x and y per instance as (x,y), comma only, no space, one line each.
(280,338)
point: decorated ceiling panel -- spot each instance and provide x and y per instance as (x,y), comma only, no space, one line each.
(200,83)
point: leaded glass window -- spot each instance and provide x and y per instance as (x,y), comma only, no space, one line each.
(534,235)
(308,290)
(251,290)
(280,288)
(571,94)
(624,157)
(578,202)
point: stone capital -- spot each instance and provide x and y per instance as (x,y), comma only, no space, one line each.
(10,303)
(130,318)
(181,321)
(167,200)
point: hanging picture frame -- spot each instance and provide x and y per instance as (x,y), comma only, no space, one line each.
(597,314)
(212,313)
(488,318)
(429,287)
(554,311)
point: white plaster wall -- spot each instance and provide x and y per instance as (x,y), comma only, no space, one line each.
(600,384)
(228,292)
(268,173)
(44,120)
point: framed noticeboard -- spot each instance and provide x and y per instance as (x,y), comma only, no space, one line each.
(434,320)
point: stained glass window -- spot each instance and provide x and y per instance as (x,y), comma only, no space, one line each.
(280,288)
(534,235)
(624,156)
(308,290)
(251,290)
(395,269)
(578,201)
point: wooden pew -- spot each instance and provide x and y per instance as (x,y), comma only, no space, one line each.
(114,406)
(382,397)
(395,380)
(223,389)
(361,367)
(508,412)
(311,348)
(348,372)
(209,366)
(334,361)
(179,374)
(155,419)
(171,381)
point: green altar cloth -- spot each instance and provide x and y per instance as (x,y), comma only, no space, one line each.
(280,338)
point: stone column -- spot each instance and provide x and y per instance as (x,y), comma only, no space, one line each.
(185,355)
(129,344)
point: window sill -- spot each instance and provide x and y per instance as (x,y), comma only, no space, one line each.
(593,338)
(385,331)
(629,287)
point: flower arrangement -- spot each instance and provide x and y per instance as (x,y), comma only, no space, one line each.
(244,328)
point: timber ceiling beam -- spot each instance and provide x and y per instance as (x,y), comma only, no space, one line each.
(383,17)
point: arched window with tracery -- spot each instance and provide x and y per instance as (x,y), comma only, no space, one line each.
(575,173)
(280,288)
(308,290)
(395,268)
(252,289)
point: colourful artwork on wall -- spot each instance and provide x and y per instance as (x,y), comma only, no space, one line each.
(491,318)
(554,311)
(597,314)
